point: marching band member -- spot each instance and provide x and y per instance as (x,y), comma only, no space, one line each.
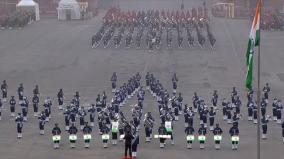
(147,77)
(179,102)
(254,113)
(264,122)
(104,100)
(35,101)
(121,126)
(174,81)
(76,99)
(186,115)
(47,108)
(279,111)
(135,144)
(73,135)
(274,109)
(12,106)
(195,100)
(225,104)
(217,136)
(56,132)
(87,131)
(250,95)
(4,88)
(189,131)
(236,117)
(190,116)
(113,81)
(41,123)
(234,132)
(202,136)
(92,111)
(234,94)
(136,118)
(169,126)
(263,106)
(60,98)
(36,91)
(105,135)
(67,118)
(114,131)
(203,114)
(20,92)
(82,113)
(212,115)
(175,109)
(148,124)
(266,90)
(238,104)
(229,112)
(19,121)
(98,103)
(250,106)
(162,131)
(24,105)
(215,99)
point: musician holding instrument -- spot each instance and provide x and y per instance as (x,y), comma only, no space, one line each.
(189,131)
(148,124)
(162,131)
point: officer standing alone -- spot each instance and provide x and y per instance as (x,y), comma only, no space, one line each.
(128,144)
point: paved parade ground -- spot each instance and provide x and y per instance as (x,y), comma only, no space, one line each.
(56,54)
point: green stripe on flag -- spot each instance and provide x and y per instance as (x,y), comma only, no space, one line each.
(249,59)
(257,38)
(249,73)
(248,51)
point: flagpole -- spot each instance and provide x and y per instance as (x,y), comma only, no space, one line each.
(258,88)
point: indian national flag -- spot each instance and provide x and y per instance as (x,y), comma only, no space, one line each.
(254,39)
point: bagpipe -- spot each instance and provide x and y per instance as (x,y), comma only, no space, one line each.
(122,118)
(149,123)
(136,112)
